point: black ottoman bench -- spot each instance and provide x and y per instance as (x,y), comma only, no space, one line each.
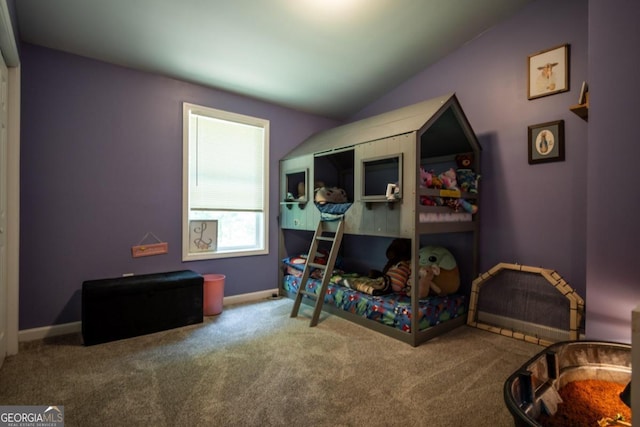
(125,307)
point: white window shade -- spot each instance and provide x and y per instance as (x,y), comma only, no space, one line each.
(229,153)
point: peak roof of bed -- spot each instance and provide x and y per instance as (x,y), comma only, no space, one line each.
(454,127)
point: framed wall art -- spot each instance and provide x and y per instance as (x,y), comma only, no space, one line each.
(203,236)
(548,72)
(546,142)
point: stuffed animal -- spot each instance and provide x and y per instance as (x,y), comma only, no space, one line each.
(399,275)
(430,179)
(467,206)
(425,178)
(464,161)
(460,204)
(468,180)
(397,251)
(448,179)
(398,267)
(330,195)
(429,201)
(301,191)
(454,204)
(448,280)
(425,281)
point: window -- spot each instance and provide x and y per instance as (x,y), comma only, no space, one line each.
(379,173)
(225,184)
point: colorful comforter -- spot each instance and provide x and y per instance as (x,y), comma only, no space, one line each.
(393,309)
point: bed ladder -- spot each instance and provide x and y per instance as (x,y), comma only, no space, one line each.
(327,270)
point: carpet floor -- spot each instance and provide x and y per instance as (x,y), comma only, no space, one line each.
(253,365)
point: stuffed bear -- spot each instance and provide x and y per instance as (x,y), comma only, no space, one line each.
(330,195)
(448,279)
(467,178)
(464,161)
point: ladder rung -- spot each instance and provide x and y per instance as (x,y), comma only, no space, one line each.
(309,294)
(325,238)
(313,264)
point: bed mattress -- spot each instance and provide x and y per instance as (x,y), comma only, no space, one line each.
(393,309)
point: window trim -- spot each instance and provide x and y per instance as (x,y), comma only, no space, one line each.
(234,117)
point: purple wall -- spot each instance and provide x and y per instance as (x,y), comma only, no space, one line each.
(613,230)
(530,214)
(101,165)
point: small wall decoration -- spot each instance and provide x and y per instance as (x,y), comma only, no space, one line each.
(157,248)
(546,142)
(203,236)
(548,72)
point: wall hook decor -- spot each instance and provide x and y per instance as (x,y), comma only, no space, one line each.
(157,248)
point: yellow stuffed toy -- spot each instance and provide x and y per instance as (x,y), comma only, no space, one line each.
(447,280)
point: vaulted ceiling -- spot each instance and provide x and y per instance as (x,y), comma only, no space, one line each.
(327,57)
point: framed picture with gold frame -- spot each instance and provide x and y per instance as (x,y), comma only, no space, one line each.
(546,142)
(548,72)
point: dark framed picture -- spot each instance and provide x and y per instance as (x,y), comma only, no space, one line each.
(548,72)
(546,142)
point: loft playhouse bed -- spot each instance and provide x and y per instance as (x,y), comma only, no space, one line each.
(368,184)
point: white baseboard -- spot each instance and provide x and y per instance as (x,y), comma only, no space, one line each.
(49,331)
(251,297)
(76,327)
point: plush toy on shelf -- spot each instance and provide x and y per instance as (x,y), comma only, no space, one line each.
(464,161)
(429,179)
(467,178)
(448,179)
(452,203)
(460,204)
(468,206)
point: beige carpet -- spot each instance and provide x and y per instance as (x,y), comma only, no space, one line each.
(252,365)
